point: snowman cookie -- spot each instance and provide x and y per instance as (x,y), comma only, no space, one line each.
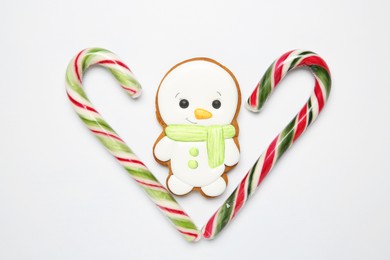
(197,104)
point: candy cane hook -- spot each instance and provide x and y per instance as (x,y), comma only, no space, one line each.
(110,139)
(274,74)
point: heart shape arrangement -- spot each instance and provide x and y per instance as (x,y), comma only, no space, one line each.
(140,173)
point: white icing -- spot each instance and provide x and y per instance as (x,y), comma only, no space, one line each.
(178,187)
(232,154)
(215,189)
(163,149)
(200,82)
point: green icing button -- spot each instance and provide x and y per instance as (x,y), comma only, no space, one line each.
(192,164)
(194,151)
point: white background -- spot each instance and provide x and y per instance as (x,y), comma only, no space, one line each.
(62,196)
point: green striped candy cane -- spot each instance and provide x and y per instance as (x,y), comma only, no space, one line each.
(110,139)
(274,74)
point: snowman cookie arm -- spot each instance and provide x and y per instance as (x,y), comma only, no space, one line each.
(232,154)
(163,149)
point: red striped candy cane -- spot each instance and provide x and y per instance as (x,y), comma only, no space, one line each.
(110,139)
(275,73)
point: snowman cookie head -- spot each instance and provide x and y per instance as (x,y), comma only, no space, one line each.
(198,91)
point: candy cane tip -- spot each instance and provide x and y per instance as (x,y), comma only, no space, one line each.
(252,108)
(197,238)
(208,237)
(206,234)
(137,94)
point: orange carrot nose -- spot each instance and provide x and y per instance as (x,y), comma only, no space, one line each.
(202,114)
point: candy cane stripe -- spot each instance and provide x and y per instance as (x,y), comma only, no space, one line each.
(194,235)
(78,104)
(129,89)
(301,122)
(278,68)
(209,230)
(251,177)
(106,134)
(114,62)
(239,202)
(180,212)
(130,160)
(319,96)
(157,186)
(254,97)
(268,161)
(76,66)
(286,138)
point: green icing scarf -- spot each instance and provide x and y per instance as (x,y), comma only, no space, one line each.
(214,136)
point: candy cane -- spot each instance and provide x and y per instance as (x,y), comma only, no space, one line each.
(110,139)
(275,73)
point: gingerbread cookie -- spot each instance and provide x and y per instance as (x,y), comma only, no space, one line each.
(197,104)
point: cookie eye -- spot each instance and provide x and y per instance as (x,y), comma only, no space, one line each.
(184,103)
(216,104)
